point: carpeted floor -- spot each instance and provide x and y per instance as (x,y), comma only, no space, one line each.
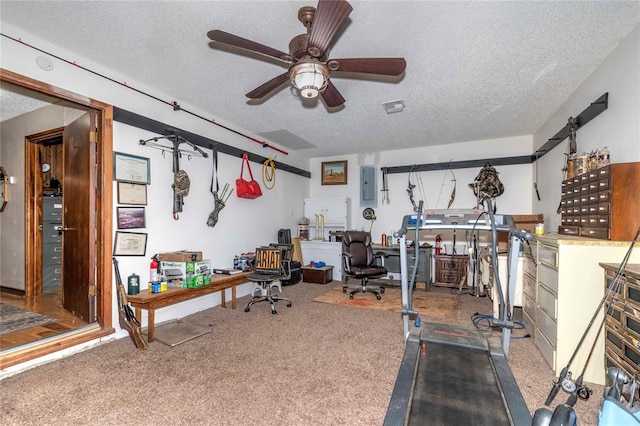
(311,364)
(14,319)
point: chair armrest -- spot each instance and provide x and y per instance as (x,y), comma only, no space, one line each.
(286,269)
(380,255)
(346,261)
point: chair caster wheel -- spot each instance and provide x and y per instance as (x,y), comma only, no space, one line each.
(378,297)
(344,290)
(274,312)
(351,296)
(289,305)
(382,290)
(247,309)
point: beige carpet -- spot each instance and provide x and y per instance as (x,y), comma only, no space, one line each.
(311,364)
(429,304)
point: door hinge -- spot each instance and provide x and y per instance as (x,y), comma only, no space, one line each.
(92,290)
(93,137)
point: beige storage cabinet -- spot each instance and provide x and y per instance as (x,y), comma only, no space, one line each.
(562,287)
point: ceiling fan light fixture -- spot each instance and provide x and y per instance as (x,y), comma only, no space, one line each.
(310,78)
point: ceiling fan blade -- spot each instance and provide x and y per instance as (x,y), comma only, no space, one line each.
(331,96)
(267,87)
(329,17)
(382,66)
(234,40)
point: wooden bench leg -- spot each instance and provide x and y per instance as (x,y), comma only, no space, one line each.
(233,297)
(150,325)
(223,299)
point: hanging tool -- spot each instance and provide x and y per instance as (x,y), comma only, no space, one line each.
(219,201)
(410,188)
(573,149)
(269,173)
(452,197)
(385,187)
(535,184)
(181,180)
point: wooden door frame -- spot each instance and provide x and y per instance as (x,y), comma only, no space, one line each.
(33,212)
(103,217)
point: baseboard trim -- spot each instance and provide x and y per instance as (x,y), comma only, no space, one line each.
(14,291)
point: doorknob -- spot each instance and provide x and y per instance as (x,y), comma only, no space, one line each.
(62,229)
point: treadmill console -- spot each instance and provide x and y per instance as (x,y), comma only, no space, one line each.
(467,219)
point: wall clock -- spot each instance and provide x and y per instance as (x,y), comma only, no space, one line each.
(369,214)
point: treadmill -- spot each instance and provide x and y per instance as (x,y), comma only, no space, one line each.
(453,375)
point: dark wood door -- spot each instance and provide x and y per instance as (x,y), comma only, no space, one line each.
(79,237)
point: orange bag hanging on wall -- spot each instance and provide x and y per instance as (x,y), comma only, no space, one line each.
(247,189)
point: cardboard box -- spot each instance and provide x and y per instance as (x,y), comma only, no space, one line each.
(523,221)
(180,256)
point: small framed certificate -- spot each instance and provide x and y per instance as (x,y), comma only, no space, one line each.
(130,244)
(132,193)
(131,168)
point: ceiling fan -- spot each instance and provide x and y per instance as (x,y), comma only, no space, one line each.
(310,69)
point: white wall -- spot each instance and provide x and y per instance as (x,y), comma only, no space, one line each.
(243,224)
(437,185)
(617,128)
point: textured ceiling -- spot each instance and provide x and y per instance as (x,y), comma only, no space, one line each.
(475,70)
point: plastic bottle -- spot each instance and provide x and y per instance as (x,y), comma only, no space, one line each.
(153,271)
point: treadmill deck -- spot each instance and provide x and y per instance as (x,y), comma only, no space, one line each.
(460,377)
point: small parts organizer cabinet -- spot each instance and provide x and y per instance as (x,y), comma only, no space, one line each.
(622,324)
(450,270)
(51,242)
(599,203)
(562,287)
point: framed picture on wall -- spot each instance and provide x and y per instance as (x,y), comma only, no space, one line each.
(130,244)
(132,193)
(131,217)
(334,173)
(131,168)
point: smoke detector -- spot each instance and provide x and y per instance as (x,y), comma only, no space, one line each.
(393,106)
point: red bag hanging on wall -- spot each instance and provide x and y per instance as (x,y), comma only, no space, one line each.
(247,189)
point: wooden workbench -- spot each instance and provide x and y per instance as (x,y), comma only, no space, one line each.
(152,301)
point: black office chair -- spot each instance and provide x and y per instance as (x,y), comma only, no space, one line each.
(359,261)
(272,264)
